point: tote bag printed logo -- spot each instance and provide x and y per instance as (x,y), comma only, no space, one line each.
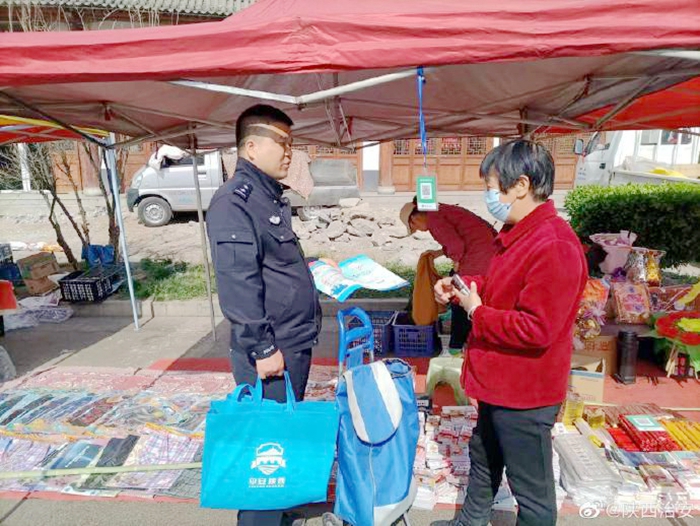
(269,458)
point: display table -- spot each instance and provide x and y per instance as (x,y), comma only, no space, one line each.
(446,370)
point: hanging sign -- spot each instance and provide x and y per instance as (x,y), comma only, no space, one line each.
(426,193)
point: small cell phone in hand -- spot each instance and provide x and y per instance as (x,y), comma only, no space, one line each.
(459,284)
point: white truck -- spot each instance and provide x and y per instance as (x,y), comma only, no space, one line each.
(639,156)
(160,189)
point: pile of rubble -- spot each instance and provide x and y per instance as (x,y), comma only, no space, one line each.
(362,229)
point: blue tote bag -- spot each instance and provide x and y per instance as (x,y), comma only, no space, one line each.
(263,455)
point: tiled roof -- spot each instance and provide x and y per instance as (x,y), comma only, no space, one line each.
(195,7)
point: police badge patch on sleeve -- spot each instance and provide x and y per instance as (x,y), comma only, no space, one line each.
(243,191)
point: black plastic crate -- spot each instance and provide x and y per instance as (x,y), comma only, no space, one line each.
(381,325)
(91,286)
(414,340)
(5,253)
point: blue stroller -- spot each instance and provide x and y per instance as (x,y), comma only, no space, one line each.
(378,431)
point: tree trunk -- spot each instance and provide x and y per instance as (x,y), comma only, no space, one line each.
(60,239)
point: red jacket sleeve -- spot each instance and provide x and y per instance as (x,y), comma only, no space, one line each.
(543,309)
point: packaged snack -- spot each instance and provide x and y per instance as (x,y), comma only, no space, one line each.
(644,266)
(591,313)
(632,303)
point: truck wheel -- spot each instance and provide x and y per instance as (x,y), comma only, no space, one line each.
(309,213)
(154,211)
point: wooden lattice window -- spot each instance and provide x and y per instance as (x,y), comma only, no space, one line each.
(402,147)
(451,146)
(431,147)
(477,145)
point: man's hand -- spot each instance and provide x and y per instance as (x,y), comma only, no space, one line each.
(271,366)
(444,291)
(469,301)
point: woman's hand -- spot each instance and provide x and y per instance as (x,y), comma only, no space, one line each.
(469,301)
(444,291)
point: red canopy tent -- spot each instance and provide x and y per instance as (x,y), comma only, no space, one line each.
(493,68)
(345,70)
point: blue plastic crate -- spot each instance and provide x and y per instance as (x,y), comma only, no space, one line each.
(414,340)
(381,325)
(10,272)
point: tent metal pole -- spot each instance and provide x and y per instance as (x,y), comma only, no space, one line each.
(625,103)
(202,232)
(356,86)
(301,100)
(112,169)
(233,90)
(672,53)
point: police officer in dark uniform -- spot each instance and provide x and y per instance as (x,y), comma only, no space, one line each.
(265,287)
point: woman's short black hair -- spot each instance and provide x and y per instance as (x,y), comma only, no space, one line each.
(521,157)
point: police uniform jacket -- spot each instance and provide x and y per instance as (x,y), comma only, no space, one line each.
(265,287)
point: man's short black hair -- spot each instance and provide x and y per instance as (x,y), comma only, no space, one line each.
(259,114)
(520,157)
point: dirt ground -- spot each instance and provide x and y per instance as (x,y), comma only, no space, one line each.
(180,240)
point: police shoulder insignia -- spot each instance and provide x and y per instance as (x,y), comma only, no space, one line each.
(243,191)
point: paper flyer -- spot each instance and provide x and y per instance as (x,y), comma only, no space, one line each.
(353,274)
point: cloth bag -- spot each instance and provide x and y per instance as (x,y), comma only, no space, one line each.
(376,444)
(425,309)
(263,455)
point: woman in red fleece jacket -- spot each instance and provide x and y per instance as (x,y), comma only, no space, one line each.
(519,351)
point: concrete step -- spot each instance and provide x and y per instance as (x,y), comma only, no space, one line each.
(199,308)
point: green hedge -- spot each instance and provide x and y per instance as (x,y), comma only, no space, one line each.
(665,217)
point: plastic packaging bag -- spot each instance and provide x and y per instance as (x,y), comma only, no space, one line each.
(632,304)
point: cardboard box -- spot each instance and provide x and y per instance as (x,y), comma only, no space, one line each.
(587,377)
(602,347)
(37,287)
(38,266)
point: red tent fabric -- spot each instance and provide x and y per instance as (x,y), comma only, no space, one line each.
(500,65)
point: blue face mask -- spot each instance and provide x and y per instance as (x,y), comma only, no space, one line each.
(497,209)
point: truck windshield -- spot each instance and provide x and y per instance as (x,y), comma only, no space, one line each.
(597,142)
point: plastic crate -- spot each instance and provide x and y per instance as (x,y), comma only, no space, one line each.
(414,340)
(10,272)
(5,253)
(91,286)
(381,325)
